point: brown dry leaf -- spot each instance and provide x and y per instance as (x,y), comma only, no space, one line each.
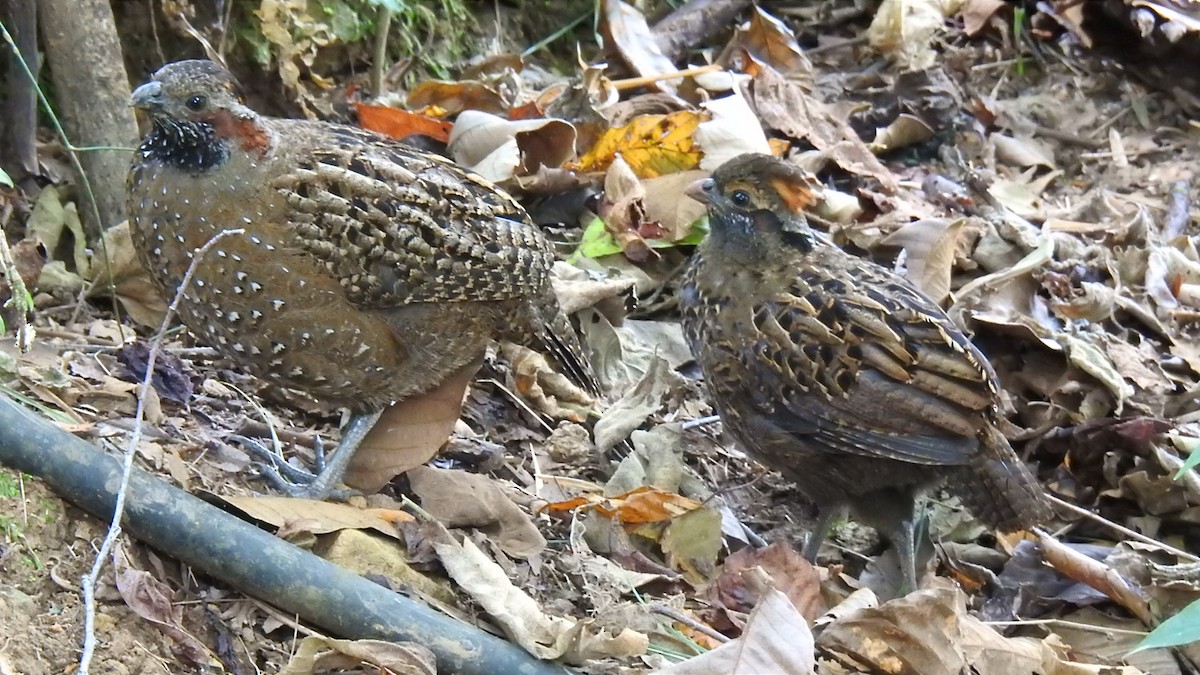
(366,553)
(519,615)
(667,205)
(499,149)
(769,41)
(398,123)
(543,387)
(1092,360)
(451,98)
(323,654)
(904,30)
(977,13)
(409,433)
(132,286)
(930,247)
(628,37)
(622,208)
(732,129)
(318,517)
(1081,568)
(461,499)
(918,633)
(151,599)
(903,132)
(1021,152)
(642,400)
(776,639)
(653,145)
(790,573)
(784,105)
(28,256)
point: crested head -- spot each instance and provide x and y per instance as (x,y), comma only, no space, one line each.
(198,117)
(756,206)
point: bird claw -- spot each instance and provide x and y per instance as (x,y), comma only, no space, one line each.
(291,480)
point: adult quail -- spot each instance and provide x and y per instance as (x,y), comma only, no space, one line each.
(367,271)
(837,372)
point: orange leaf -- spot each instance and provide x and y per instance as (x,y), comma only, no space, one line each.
(647,504)
(401,123)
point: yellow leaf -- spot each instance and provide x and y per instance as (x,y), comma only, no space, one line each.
(652,145)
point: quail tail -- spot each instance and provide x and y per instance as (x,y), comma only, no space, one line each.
(999,490)
(554,332)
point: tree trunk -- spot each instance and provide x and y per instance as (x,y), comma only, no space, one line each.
(92,95)
(21,107)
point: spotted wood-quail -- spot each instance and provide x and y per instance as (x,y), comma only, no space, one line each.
(836,371)
(367,271)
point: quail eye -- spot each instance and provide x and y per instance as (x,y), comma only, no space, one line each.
(196,103)
(741,198)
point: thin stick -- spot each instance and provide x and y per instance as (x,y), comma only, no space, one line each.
(1073,624)
(686,620)
(634,82)
(381,41)
(1122,529)
(700,422)
(572,25)
(114,529)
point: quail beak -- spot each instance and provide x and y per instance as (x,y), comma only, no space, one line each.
(701,190)
(147,97)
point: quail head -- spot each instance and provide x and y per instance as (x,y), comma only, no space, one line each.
(837,372)
(364,271)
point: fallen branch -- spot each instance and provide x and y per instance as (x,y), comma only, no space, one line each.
(245,557)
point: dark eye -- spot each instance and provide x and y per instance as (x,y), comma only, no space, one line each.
(741,198)
(196,103)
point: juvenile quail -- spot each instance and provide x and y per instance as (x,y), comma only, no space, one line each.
(367,271)
(837,372)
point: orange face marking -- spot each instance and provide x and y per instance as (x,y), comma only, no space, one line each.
(249,135)
(797,195)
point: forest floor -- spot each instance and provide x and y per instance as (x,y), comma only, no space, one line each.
(1042,194)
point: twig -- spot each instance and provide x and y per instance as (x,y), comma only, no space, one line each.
(1107,630)
(635,82)
(1132,534)
(572,25)
(114,529)
(381,40)
(519,402)
(700,422)
(688,621)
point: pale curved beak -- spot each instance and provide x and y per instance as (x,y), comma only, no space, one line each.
(147,97)
(700,190)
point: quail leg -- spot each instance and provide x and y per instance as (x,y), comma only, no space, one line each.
(825,519)
(323,484)
(894,514)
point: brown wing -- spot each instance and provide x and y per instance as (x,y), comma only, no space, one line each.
(872,368)
(395,225)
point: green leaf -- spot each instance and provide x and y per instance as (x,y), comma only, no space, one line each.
(1190,446)
(5,180)
(597,242)
(1180,629)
